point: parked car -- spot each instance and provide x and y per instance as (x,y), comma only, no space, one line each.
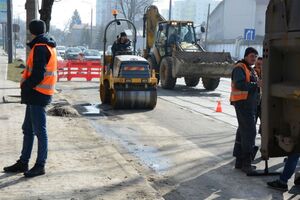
(72,53)
(92,54)
(19,45)
(60,61)
(82,48)
(61,50)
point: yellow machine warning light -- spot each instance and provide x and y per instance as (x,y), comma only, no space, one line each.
(114,12)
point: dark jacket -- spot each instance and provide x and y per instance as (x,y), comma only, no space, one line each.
(120,47)
(239,79)
(41,57)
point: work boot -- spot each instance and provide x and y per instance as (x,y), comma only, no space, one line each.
(247,167)
(238,163)
(37,170)
(278,185)
(297,179)
(16,168)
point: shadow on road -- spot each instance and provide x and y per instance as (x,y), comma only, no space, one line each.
(225,183)
(181,90)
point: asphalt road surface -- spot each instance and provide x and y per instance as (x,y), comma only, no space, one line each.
(182,147)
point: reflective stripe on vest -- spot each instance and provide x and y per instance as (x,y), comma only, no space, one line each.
(237,95)
(47,85)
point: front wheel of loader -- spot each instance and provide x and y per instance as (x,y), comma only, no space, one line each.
(105,95)
(166,79)
(210,83)
(191,81)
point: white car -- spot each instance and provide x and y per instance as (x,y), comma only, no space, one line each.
(61,50)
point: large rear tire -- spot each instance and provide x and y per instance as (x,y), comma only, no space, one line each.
(191,81)
(166,79)
(210,83)
(105,94)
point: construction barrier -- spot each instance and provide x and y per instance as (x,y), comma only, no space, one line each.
(79,69)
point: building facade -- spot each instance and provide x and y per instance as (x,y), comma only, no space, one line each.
(193,10)
(231,17)
(227,24)
(104,11)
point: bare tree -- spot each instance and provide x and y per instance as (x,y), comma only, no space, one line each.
(45,12)
(133,9)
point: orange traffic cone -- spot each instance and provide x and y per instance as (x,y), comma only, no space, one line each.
(219,107)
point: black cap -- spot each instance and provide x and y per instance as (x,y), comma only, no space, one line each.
(250,50)
(37,27)
(123,34)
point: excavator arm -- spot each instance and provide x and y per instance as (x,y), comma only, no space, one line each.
(151,19)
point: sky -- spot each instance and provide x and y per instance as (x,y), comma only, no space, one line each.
(63,10)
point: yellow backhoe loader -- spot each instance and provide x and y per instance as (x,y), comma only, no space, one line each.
(173,52)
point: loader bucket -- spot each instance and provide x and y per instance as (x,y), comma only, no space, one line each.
(202,64)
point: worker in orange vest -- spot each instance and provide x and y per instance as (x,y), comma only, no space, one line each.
(37,87)
(244,91)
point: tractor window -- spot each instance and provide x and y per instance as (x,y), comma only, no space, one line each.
(161,40)
(187,34)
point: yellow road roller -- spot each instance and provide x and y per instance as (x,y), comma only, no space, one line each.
(126,79)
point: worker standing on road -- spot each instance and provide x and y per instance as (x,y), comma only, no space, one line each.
(37,87)
(258,70)
(244,91)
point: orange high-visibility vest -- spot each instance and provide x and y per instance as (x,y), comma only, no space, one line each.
(237,95)
(47,85)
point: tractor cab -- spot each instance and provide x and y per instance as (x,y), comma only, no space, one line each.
(176,34)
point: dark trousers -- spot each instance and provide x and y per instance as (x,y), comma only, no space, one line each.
(289,167)
(34,124)
(246,132)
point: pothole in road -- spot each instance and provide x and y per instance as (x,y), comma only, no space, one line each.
(4,118)
(63,111)
(62,108)
(11,99)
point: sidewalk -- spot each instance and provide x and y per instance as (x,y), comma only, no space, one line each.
(81,165)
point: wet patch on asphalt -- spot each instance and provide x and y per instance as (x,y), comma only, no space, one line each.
(148,155)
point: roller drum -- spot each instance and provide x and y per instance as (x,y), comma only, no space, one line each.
(122,99)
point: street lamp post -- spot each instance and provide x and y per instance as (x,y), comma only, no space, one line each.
(9,32)
(170,10)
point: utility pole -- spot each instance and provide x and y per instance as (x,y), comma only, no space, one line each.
(9,32)
(91,43)
(31,7)
(170,10)
(207,22)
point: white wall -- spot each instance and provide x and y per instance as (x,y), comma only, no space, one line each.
(259,20)
(236,51)
(216,23)
(238,15)
(231,17)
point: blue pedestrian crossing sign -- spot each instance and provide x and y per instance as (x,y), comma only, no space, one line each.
(249,34)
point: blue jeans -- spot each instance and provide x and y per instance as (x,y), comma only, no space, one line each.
(35,124)
(289,167)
